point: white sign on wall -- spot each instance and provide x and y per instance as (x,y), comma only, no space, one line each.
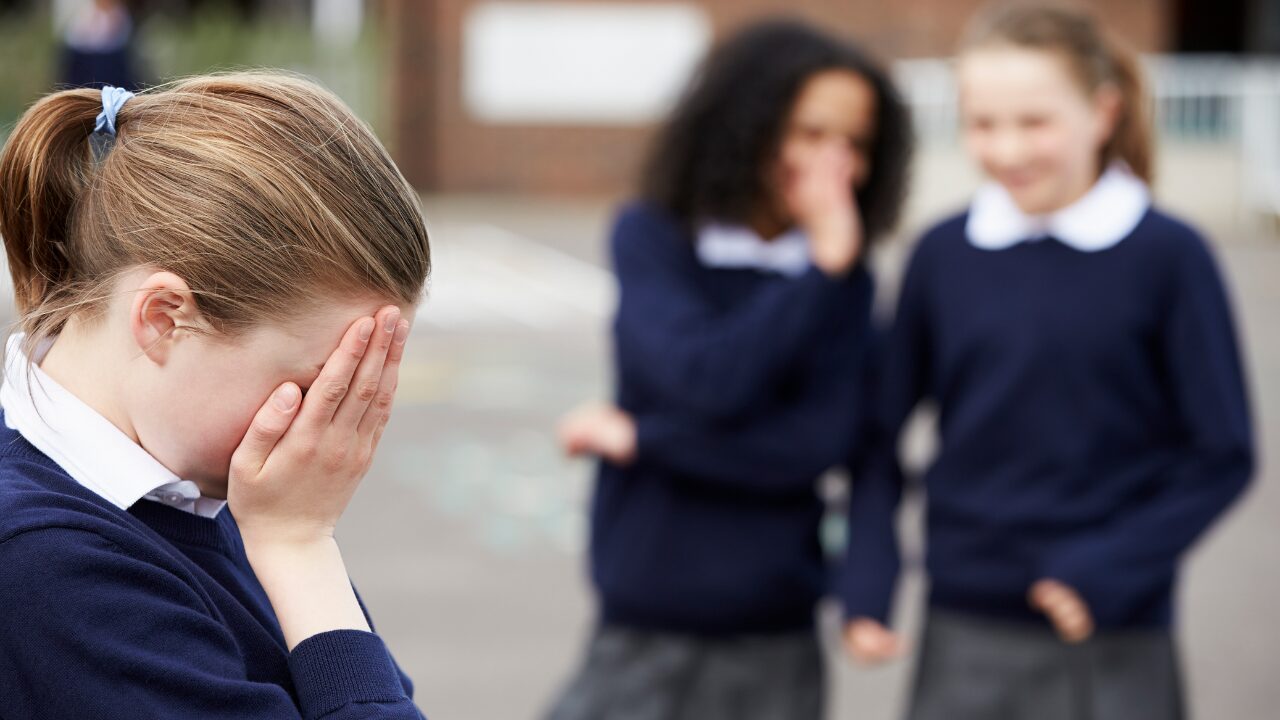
(578,63)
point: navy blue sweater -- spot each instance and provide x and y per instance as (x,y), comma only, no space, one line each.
(155,613)
(1093,422)
(743,385)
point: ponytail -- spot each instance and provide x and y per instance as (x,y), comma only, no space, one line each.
(44,170)
(1131,139)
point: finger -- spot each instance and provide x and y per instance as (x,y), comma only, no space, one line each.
(1062,611)
(367,378)
(1043,591)
(566,435)
(618,456)
(875,647)
(622,438)
(1070,618)
(1075,614)
(572,430)
(326,393)
(379,409)
(587,442)
(573,442)
(875,656)
(886,644)
(1072,628)
(266,429)
(871,635)
(1075,631)
(1055,601)
(1067,601)
(377,434)
(1086,630)
(1059,608)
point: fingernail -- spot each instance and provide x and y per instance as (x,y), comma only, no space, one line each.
(366,328)
(285,397)
(390,323)
(402,332)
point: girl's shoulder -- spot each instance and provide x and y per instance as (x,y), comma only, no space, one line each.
(943,237)
(37,496)
(643,231)
(644,217)
(948,231)
(1165,241)
(1171,231)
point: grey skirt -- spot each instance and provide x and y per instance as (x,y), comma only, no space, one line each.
(634,675)
(973,668)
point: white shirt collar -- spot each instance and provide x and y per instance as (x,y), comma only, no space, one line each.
(1107,214)
(737,247)
(94,452)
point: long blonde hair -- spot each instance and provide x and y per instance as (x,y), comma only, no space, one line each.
(1094,59)
(262,191)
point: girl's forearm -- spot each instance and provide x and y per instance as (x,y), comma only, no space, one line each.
(308,586)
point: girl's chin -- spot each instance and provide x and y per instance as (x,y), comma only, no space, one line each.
(1033,200)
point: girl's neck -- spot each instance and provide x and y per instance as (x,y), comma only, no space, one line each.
(96,362)
(80,362)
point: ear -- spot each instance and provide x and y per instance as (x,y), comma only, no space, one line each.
(1108,103)
(162,305)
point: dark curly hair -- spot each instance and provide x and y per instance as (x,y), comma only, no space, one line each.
(706,162)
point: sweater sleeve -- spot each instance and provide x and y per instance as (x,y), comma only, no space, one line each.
(1115,568)
(897,379)
(677,346)
(784,449)
(102,628)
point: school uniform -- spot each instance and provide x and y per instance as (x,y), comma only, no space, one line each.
(738,360)
(128,595)
(1093,422)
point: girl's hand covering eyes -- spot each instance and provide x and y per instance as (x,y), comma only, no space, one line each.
(297,468)
(302,459)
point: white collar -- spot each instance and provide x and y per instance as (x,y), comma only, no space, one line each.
(94,452)
(738,246)
(1107,214)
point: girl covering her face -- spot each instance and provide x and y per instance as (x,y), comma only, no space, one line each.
(214,279)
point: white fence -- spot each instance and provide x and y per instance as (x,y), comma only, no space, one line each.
(1226,100)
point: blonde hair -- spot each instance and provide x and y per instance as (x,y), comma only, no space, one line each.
(1094,59)
(263,192)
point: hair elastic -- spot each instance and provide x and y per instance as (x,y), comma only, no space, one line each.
(113,98)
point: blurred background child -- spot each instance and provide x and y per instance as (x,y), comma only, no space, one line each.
(97,46)
(1093,415)
(741,327)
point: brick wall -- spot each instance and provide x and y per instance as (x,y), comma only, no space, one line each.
(442,148)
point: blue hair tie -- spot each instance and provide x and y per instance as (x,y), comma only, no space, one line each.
(113,98)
